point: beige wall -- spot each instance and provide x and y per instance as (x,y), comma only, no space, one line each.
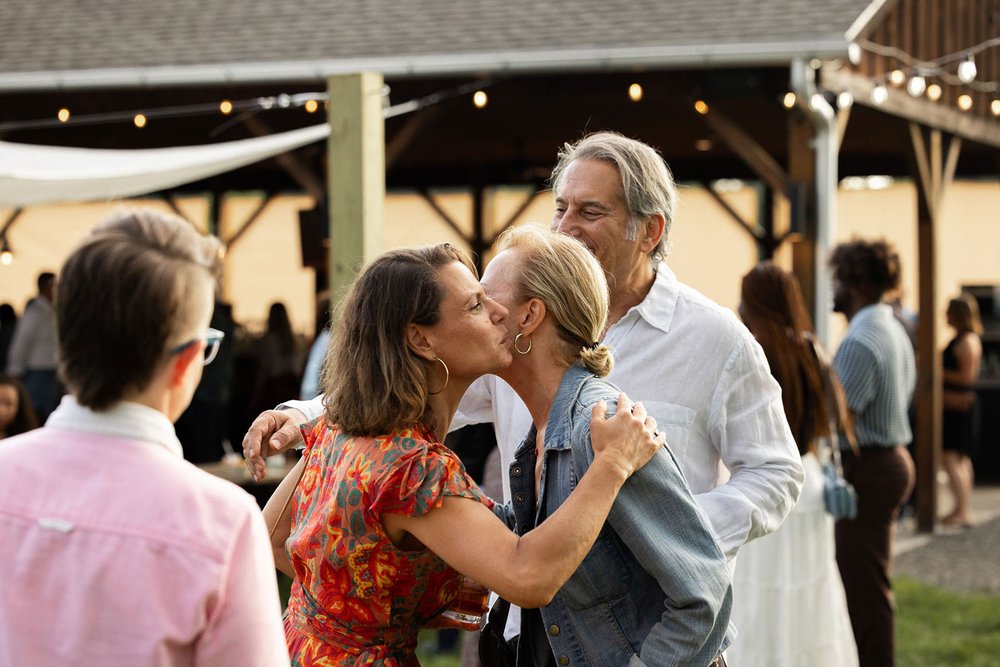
(709,251)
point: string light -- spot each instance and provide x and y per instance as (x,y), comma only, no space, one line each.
(845,100)
(965,102)
(939,67)
(248,106)
(897,77)
(139,120)
(967,70)
(311,106)
(995,107)
(701,107)
(934,92)
(635,92)
(880,94)
(789,100)
(479,99)
(63,115)
(916,86)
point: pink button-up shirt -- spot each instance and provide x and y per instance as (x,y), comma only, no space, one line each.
(115,551)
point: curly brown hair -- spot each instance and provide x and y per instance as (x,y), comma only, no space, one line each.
(870,267)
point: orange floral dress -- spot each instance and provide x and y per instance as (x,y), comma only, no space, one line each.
(357,598)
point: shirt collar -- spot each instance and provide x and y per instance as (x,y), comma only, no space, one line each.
(661,300)
(124,419)
(870,312)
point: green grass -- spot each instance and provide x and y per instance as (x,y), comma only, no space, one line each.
(941,628)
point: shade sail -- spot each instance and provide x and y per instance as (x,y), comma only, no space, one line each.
(32,175)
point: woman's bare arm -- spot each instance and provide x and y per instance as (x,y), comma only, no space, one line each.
(528,570)
(278,517)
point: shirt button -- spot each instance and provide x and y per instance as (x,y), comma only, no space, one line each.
(553,630)
(563,660)
(519,498)
(516,470)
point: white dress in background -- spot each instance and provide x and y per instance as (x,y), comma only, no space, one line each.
(789,606)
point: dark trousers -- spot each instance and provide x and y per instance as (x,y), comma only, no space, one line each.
(883,478)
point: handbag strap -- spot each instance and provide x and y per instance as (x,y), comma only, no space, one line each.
(835,396)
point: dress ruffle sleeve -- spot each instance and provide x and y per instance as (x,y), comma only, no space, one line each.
(419,479)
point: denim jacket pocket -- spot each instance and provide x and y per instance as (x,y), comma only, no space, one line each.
(676,422)
(602,577)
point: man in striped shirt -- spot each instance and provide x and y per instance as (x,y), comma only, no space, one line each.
(875,364)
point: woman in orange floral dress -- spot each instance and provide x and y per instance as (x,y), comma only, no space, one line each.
(385,520)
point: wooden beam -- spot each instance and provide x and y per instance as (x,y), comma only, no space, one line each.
(170,201)
(749,150)
(802,204)
(516,215)
(753,230)
(843,115)
(251,219)
(356,167)
(9,222)
(443,214)
(925,183)
(300,172)
(967,125)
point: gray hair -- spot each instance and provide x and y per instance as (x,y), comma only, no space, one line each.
(647,186)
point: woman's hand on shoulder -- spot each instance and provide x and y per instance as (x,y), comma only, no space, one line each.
(626,441)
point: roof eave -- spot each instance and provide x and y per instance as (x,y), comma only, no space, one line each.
(452,64)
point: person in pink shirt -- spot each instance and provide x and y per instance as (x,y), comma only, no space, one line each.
(116,551)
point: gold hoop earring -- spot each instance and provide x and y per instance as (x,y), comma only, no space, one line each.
(519,350)
(447,377)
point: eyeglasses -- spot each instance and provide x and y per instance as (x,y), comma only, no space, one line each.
(212,338)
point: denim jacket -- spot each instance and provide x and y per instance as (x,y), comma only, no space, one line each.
(655,587)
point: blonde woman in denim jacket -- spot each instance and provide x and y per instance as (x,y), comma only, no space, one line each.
(655,588)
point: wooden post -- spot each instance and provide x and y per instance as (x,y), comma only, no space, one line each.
(356,174)
(934,174)
(802,171)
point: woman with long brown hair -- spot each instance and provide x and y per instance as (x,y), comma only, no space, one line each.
(792,573)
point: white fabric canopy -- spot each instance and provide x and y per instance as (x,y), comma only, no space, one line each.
(32,175)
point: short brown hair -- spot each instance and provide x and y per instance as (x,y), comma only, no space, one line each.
(372,381)
(124,299)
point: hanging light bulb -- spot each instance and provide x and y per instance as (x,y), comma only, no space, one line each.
(934,92)
(635,92)
(880,94)
(789,100)
(6,254)
(479,99)
(63,115)
(967,70)
(311,106)
(139,120)
(995,107)
(854,53)
(701,107)
(965,102)
(916,85)
(896,77)
(226,107)
(845,100)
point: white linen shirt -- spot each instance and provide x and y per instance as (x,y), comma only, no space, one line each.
(705,379)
